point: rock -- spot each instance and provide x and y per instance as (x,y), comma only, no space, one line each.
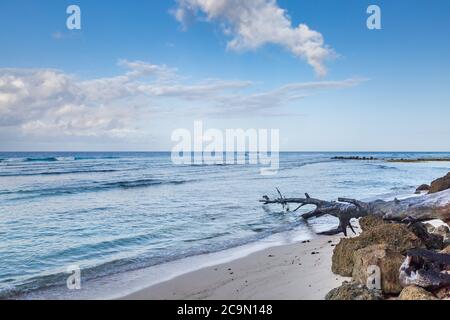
(369,222)
(446,250)
(387,260)
(440,184)
(416,293)
(430,228)
(352,291)
(425,268)
(396,236)
(442,230)
(432,241)
(423,187)
(443,293)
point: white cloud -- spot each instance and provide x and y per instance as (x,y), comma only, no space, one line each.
(252,24)
(262,102)
(47,102)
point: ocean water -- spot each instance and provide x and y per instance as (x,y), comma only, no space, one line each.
(112,213)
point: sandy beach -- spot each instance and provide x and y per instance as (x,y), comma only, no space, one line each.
(295,271)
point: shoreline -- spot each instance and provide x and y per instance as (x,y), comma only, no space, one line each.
(299,271)
(206,276)
(122,284)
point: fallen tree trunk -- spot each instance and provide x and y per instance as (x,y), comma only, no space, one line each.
(420,208)
(426,269)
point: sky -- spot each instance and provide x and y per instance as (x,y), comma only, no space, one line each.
(138,70)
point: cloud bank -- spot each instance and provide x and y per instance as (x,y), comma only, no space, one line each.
(48,102)
(252,24)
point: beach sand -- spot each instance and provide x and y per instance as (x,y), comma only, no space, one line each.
(294,271)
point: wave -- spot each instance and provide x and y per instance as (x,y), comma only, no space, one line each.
(15,174)
(384,167)
(141,183)
(57,158)
(37,159)
(57,279)
(96,186)
(97,158)
(401,188)
(49,159)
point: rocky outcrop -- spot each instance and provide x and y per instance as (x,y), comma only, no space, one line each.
(353,291)
(388,262)
(416,293)
(440,184)
(410,260)
(395,236)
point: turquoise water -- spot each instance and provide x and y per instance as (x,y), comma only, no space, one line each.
(114,212)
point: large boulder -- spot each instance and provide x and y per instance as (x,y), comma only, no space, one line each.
(396,236)
(387,260)
(440,184)
(371,221)
(352,291)
(416,293)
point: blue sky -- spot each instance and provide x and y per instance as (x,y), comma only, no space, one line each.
(75,90)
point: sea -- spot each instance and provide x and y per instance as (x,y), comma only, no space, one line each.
(128,219)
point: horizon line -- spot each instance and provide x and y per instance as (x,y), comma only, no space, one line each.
(288,151)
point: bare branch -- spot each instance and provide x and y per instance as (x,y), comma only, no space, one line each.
(426,207)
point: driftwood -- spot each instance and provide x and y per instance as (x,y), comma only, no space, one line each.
(426,269)
(419,208)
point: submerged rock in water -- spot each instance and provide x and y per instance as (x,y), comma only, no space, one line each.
(440,184)
(353,291)
(396,236)
(384,258)
(416,293)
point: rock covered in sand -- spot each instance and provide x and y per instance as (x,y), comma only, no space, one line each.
(416,293)
(353,291)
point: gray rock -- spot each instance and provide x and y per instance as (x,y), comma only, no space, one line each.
(353,291)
